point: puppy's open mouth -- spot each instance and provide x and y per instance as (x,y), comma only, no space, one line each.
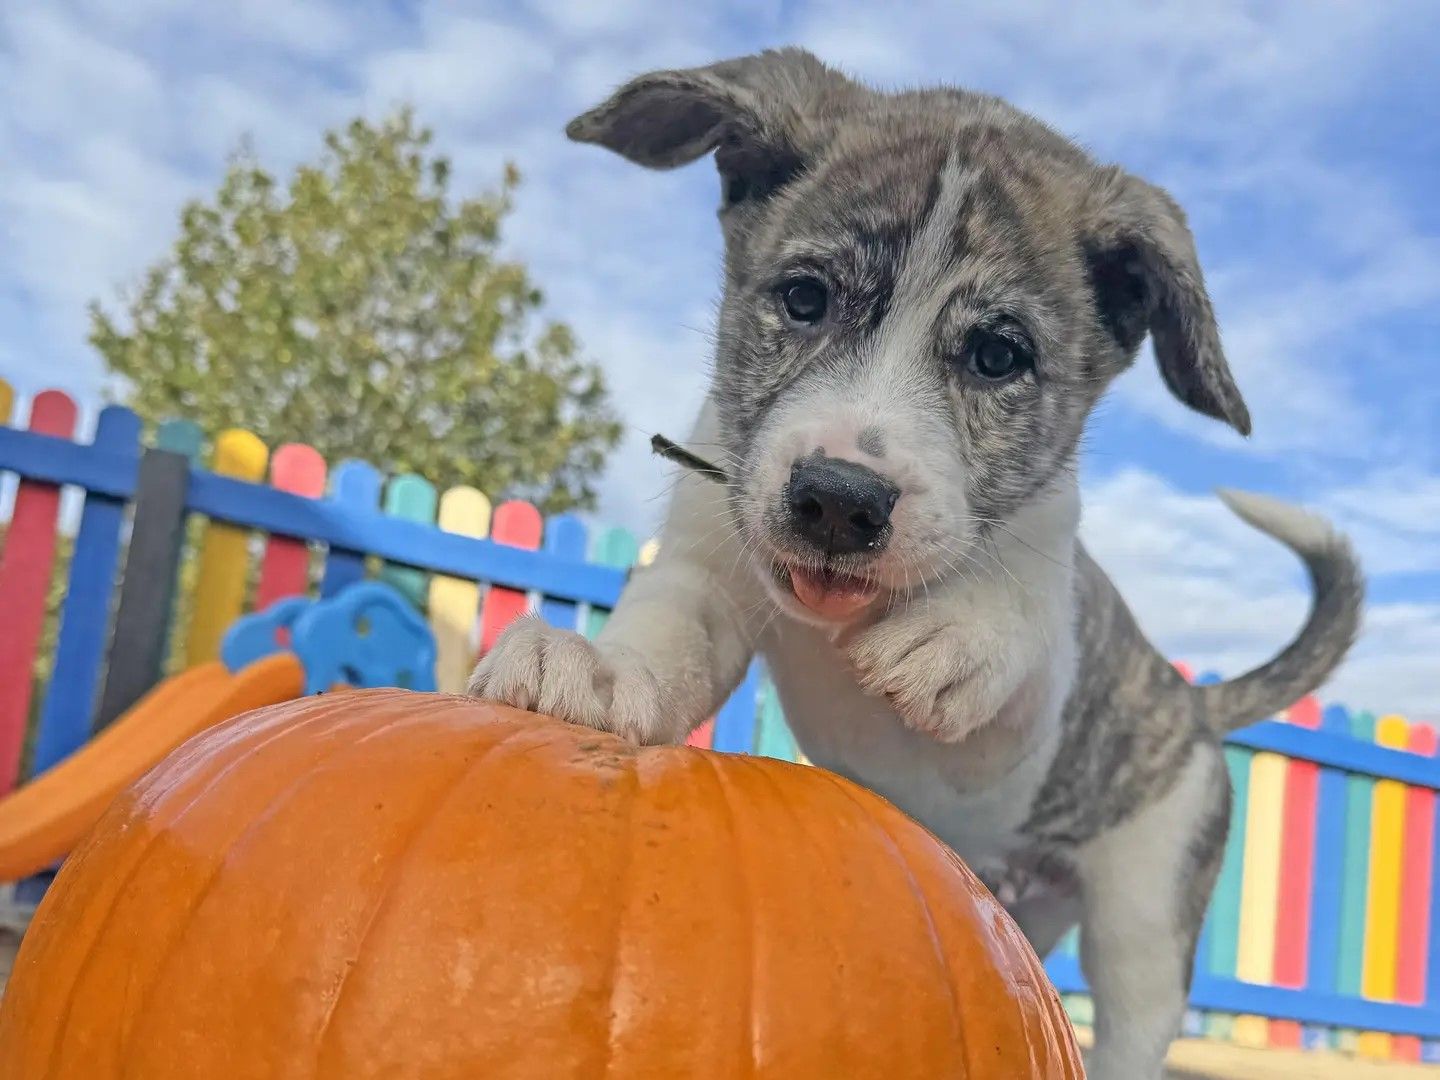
(829,593)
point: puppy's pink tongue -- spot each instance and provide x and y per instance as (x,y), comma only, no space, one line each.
(832,596)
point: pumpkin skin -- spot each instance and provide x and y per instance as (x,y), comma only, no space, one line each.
(390,884)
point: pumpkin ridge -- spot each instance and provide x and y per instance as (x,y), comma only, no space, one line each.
(748,908)
(140,860)
(898,856)
(187,760)
(423,820)
(274,807)
(624,882)
(768,773)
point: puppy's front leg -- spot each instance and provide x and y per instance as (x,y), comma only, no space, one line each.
(674,648)
(949,657)
(1145,885)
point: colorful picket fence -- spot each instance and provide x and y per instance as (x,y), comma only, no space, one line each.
(1323,928)
(1320,933)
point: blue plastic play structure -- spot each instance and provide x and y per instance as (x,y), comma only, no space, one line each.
(366,636)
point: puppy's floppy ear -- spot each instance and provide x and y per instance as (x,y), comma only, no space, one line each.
(753,109)
(1147,277)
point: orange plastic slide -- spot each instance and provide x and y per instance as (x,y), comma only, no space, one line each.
(42,821)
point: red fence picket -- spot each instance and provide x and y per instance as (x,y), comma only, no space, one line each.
(26,566)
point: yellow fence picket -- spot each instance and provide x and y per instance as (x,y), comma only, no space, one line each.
(454,603)
(1382,903)
(1260,887)
(224,554)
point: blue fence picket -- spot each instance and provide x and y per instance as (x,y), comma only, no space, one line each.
(735,722)
(182,437)
(410,498)
(775,738)
(567,539)
(616,548)
(1322,973)
(70,698)
(354,485)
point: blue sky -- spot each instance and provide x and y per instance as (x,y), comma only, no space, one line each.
(1301,137)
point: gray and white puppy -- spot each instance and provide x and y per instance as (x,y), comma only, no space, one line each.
(925,294)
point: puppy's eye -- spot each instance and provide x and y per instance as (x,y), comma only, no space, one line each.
(805,300)
(996,358)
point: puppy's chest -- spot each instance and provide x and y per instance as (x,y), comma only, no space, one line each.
(977,810)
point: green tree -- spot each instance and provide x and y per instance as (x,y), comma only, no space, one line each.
(362,310)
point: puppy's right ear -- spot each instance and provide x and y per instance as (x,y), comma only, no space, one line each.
(1147,277)
(756,110)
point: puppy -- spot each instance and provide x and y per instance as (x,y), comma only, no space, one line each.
(925,294)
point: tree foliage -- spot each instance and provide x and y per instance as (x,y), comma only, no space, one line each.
(360,309)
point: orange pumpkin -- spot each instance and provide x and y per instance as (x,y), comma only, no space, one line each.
(391,884)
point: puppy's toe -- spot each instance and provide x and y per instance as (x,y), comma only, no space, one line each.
(637,705)
(910,663)
(573,682)
(513,671)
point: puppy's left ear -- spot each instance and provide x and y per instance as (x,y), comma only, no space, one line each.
(757,105)
(1146,276)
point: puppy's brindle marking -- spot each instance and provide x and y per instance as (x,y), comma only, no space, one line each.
(996,687)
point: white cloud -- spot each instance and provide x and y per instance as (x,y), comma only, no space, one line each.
(1393,514)
(315,28)
(461,69)
(621,19)
(71,234)
(1113,70)
(216,112)
(56,72)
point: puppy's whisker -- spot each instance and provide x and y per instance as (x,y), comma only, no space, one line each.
(994,556)
(972,566)
(992,524)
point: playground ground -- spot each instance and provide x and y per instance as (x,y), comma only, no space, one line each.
(1190,1059)
(1207,1059)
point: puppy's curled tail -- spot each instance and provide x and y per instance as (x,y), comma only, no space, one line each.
(1328,633)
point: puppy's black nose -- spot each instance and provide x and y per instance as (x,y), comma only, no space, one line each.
(840,506)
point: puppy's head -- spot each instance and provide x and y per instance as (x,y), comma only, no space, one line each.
(925,294)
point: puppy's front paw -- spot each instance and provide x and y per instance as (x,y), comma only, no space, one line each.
(937,675)
(537,667)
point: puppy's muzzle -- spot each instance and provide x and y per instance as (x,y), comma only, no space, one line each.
(841,507)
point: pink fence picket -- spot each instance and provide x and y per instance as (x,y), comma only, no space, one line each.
(519,525)
(285,566)
(1416,894)
(1296,884)
(26,566)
